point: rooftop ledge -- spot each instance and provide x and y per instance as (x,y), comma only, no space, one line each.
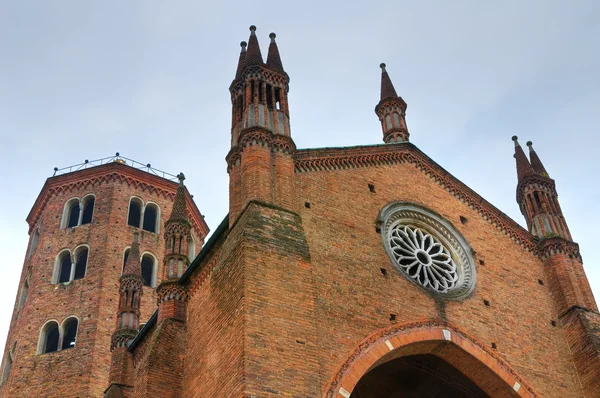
(117,158)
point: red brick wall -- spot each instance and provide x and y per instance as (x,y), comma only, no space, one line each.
(214,365)
(354,298)
(93,299)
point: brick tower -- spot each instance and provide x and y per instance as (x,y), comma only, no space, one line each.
(260,162)
(573,298)
(81,228)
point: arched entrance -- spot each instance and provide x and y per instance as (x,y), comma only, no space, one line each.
(425,359)
(416,376)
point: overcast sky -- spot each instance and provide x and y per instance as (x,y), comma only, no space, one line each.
(83,80)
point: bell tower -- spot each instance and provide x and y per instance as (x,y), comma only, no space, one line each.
(260,163)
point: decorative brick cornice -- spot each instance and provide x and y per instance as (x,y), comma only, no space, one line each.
(204,273)
(537,181)
(259,136)
(111,173)
(122,337)
(171,290)
(558,245)
(390,105)
(327,159)
(260,72)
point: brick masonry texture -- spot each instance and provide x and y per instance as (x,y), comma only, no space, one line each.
(93,299)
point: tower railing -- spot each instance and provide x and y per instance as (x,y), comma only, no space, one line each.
(118,158)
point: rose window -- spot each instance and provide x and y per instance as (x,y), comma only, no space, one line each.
(427,250)
(423,258)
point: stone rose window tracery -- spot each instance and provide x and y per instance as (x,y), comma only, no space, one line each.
(427,250)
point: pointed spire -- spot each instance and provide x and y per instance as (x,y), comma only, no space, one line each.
(179,212)
(253,57)
(273,58)
(536,163)
(132,265)
(523,166)
(241,61)
(387,88)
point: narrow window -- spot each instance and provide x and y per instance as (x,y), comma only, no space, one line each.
(147,269)
(81,263)
(88,210)
(34,242)
(69,333)
(150,217)
(191,249)
(64,268)
(269,97)
(49,338)
(135,213)
(24,293)
(277,99)
(8,361)
(125,257)
(180,244)
(73,219)
(537,200)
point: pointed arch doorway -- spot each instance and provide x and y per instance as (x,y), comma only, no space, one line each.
(425,359)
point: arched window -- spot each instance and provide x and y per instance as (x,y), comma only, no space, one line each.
(78,212)
(63,268)
(135,212)
(151,216)
(69,333)
(8,361)
(72,213)
(49,338)
(88,209)
(23,296)
(34,242)
(81,258)
(68,269)
(149,270)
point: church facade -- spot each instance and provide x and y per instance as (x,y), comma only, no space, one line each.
(359,272)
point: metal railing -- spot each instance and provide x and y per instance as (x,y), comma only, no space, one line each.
(116,158)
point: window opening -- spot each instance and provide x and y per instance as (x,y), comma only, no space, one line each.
(269,97)
(150,219)
(125,257)
(88,211)
(51,338)
(537,200)
(64,273)
(147,270)
(73,215)
(24,293)
(180,244)
(69,333)
(135,211)
(7,366)
(81,263)
(34,242)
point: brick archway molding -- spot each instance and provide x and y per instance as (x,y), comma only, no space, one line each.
(425,337)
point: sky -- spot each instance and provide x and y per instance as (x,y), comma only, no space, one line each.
(149,79)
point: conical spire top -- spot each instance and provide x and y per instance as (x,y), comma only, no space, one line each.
(523,166)
(536,163)
(387,88)
(273,58)
(253,56)
(179,212)
(242,60)
(132,265)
